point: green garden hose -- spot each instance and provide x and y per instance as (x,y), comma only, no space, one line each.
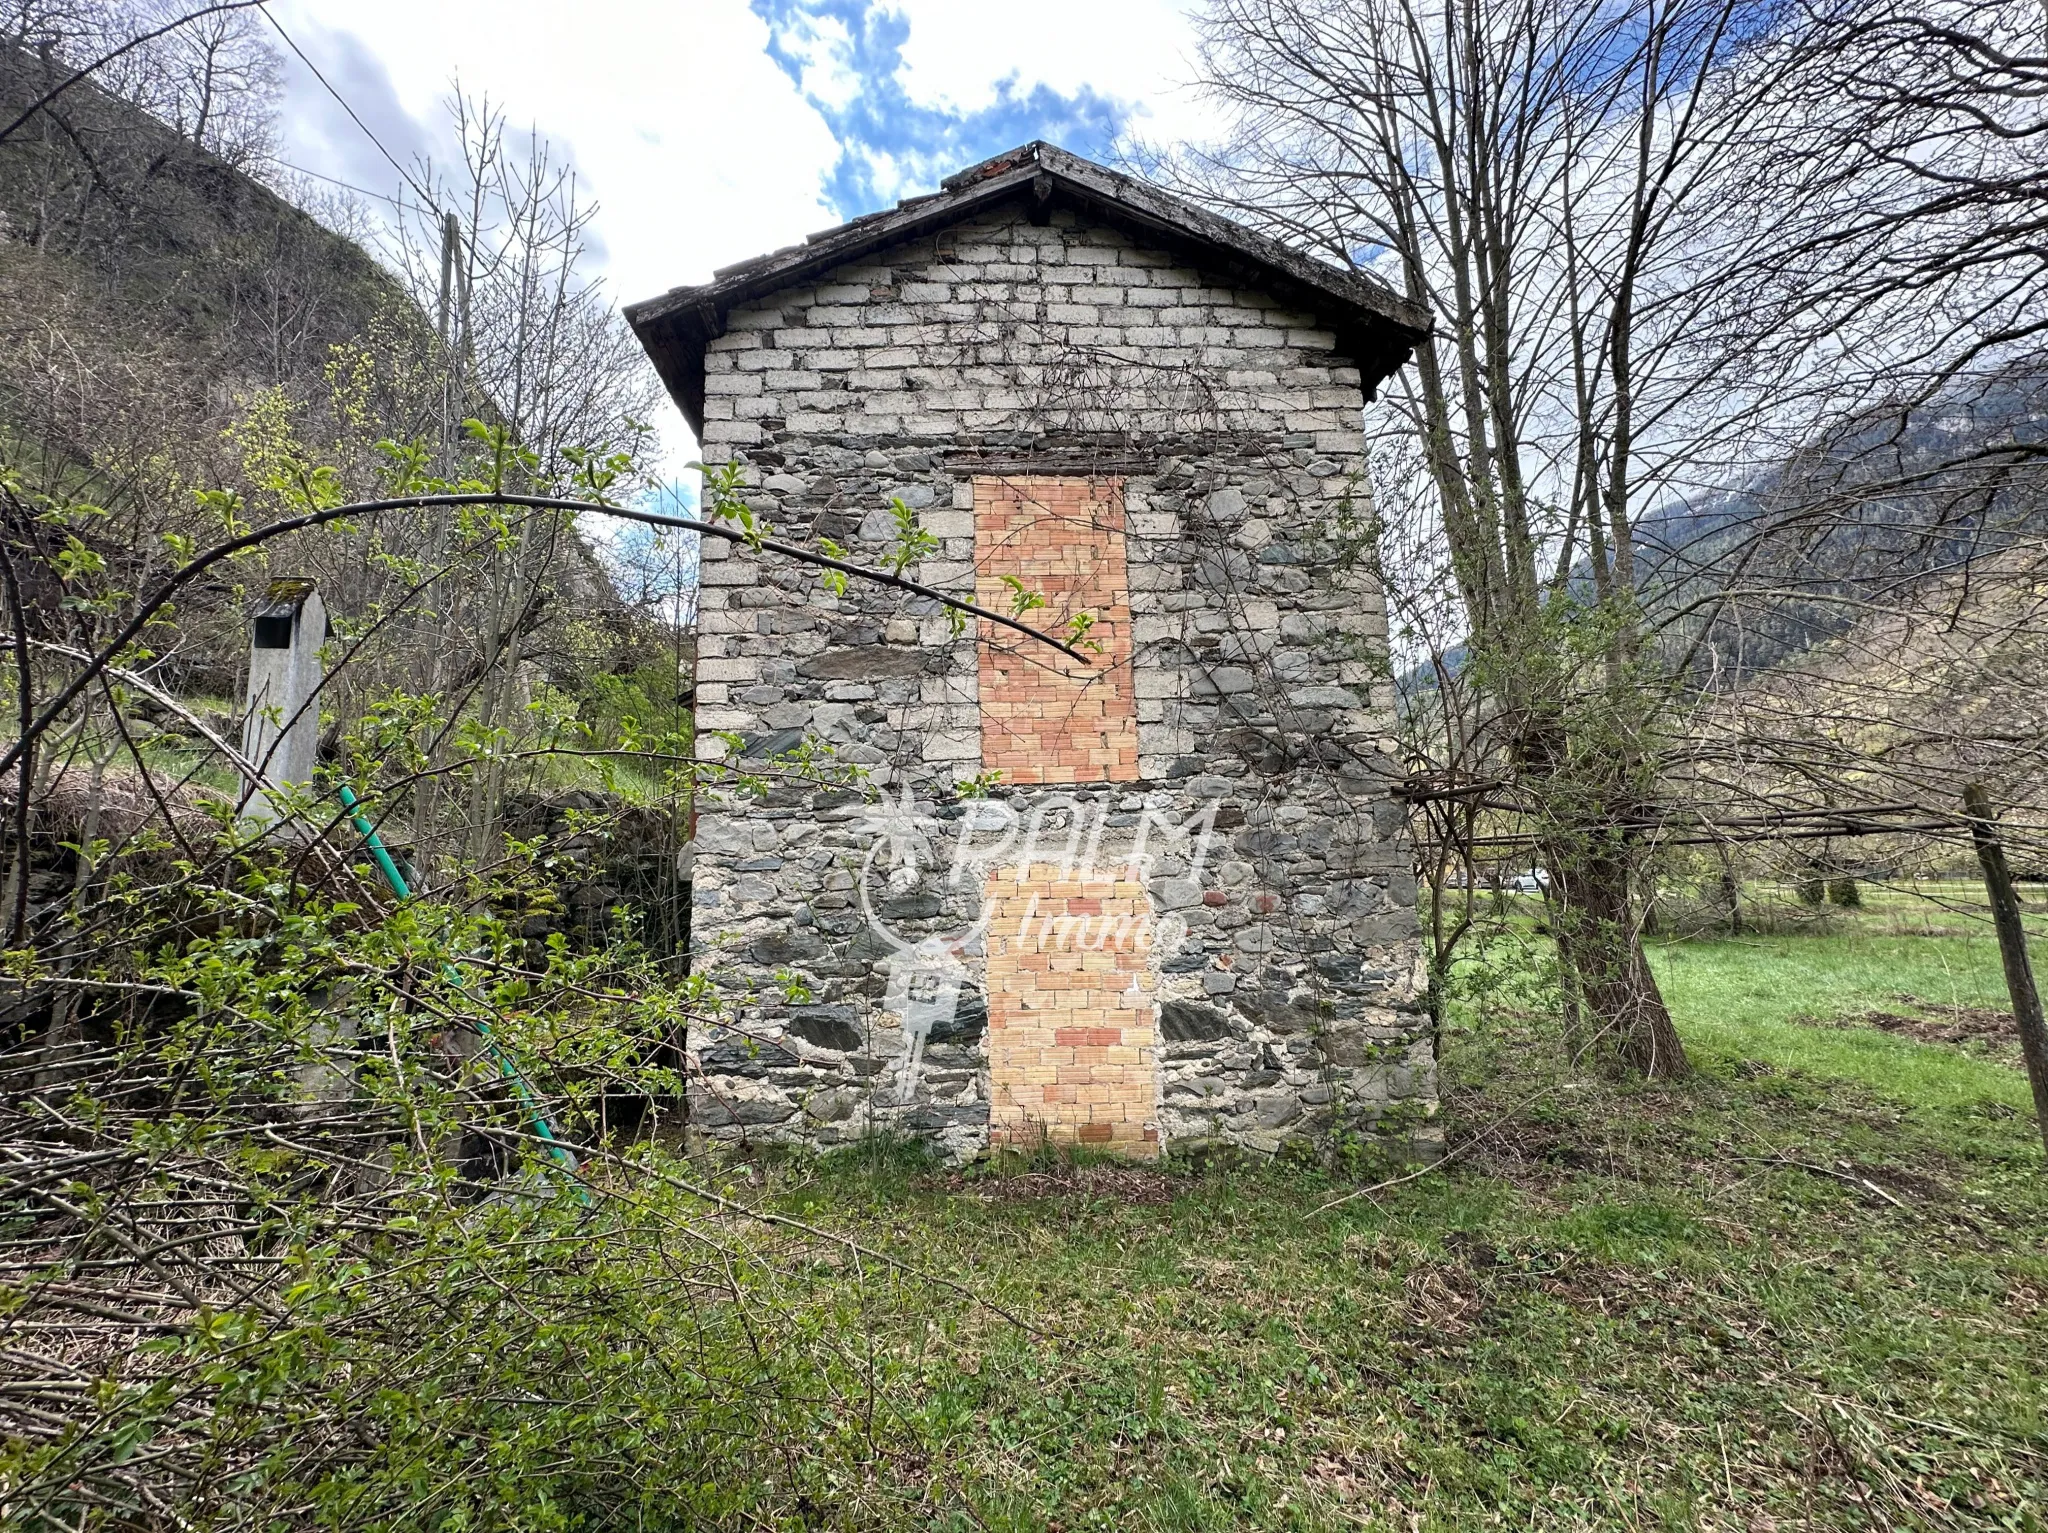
(557,1151)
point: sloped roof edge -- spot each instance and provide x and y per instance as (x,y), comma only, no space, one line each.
(1375,326)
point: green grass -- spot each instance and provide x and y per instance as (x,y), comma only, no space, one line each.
(1806,1289)
(1745,998)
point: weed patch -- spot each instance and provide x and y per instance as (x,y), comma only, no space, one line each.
(1785,1295)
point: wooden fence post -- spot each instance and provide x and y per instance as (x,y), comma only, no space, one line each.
(2012,947)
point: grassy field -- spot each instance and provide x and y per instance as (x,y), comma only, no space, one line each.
(1808,1289)
(1758,997)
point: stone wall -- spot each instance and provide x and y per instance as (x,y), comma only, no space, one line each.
(1228,434)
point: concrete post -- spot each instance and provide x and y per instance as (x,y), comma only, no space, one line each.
(281,719)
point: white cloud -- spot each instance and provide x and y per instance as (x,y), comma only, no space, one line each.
(1135,50)
(699,149)
(821,44)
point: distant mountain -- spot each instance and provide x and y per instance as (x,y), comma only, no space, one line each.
(1885,525)
(1879,517)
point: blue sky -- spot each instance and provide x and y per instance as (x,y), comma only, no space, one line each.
(846,58)
(713,130)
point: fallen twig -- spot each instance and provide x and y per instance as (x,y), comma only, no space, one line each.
(1850,1178)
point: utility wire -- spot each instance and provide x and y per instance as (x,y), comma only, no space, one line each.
(133,43)
(425,196)
(348,186)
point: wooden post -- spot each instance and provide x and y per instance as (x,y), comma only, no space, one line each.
(451,337)
(451,233)
(2012,947)
(281,721)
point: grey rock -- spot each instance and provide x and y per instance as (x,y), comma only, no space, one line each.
(766,747)
(747,1058)
(1223,681)
(1250,648)
(1223,569)
(1353,1049)
(1280,1112)
(833,1106)
(756,1113)
(867,662)
(1226,506)
(967,1025)
(827,1027)
(932,1117)
(1322,697)
(1277,1010)
(1190,1022)
(836,723)
(868,944)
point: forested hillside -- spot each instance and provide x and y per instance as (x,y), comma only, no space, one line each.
(150,278)
(174,330)
(1865,515)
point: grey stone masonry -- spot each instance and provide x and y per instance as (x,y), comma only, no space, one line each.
(1288,1005)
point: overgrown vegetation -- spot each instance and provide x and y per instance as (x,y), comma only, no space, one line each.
(343,1195)
(1803,1289)
(1798,1291)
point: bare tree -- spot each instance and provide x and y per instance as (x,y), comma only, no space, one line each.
(208,71)
(530,342)
(214,78)
(1862,617)
(1543,176)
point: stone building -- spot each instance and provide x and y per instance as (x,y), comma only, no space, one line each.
(955,883)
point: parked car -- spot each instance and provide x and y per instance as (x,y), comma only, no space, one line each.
(1535,881)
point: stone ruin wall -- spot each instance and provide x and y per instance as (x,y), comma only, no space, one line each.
(981,376)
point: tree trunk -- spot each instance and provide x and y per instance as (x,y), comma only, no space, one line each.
(2012,948)
(1600,942)
(1731,894)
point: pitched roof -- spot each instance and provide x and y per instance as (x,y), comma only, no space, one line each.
(1374,326)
